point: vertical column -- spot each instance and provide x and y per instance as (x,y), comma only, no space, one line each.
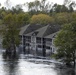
(23,39)
(44,49)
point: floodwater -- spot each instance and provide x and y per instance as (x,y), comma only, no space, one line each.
(24,64)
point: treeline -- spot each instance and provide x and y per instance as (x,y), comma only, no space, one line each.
(43,6)
(25,18)
(42,11)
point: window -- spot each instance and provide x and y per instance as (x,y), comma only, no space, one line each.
(49,41)
(40,46)
(27,44)
(47,47)
(38,40)
(28,38)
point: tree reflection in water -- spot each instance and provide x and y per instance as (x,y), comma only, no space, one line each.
(11,63)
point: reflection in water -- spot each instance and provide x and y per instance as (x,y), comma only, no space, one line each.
(11,63)
(27,65)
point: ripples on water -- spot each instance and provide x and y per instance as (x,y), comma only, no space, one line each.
(29,65)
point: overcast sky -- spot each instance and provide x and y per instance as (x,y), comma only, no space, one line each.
(15,2)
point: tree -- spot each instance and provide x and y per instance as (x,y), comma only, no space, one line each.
(65,42)
(62,18)
(41,19)
(59,8)
(70,4)
(10,33)
(17,9)
(73,16)
(23,18)
(44,6)
(8,4)
(38,6)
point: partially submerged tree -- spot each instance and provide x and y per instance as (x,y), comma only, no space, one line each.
(66,43)
(10,33)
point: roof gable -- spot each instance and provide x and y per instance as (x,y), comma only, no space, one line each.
(32,28)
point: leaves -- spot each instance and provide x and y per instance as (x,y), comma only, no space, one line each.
(66,42)
(62,18)
(41,19)
(10,31)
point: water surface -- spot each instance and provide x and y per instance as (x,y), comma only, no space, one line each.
(29,65)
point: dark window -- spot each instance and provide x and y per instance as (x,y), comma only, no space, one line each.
(40,46)
(48,39)
(47,47)
(44,40)
(38,40)
(27,44)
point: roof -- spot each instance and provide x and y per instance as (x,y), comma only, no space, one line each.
(52,29)
(51,35)
(46,31)
(32,28)
(39,32)
(42,31)
(22,30)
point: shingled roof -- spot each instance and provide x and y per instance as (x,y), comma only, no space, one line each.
(46,31)
(23,29)
(52,29)
(39,32)
(51,35)
(32,28)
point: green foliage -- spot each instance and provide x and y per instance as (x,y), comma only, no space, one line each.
(73,16)
(41,19)
(23,18)
(65,42)
(12,24)
(59,8)
(62,18)
(10,31)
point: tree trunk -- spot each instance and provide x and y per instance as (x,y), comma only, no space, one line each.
(11,50)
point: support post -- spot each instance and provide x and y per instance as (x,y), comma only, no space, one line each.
(44,49)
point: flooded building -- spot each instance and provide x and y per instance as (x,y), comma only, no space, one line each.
(38,39)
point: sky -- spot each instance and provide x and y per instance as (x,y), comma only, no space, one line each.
(15,2)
